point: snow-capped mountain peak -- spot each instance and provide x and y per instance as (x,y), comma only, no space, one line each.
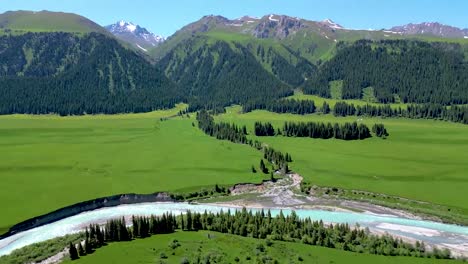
(132,33)
(331,24)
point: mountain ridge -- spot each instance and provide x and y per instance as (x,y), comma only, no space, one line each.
(431,28)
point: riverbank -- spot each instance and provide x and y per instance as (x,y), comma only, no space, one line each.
(86,206)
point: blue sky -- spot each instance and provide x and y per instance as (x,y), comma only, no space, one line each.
(165,17)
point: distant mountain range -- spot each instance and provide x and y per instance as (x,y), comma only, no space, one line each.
(65,63)
(432,29)
(136,35)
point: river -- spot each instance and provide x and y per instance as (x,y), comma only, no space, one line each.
(452,236)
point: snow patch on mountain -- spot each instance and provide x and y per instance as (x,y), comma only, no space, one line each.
(145,50)
(330,23)
(273,19)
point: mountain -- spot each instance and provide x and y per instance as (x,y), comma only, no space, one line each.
(431,28)
(390,71)
(138,36)
(217,74)
(314,41)
(66,73)
(46,21)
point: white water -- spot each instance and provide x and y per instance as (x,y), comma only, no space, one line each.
(430,232)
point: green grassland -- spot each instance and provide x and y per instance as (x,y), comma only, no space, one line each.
(422,159)
(48,162)
(223,248)
(45,21)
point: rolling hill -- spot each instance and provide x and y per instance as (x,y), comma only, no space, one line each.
(46,21)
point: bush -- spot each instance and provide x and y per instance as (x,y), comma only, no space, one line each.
(260,247)
(174,244)
(163,255)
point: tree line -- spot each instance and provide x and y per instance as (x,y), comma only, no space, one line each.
(262,225)
(221,130)
(346,131)
(292,106)
(458,114)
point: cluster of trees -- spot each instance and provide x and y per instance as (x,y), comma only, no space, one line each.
(292,106)
(415,71)
(379,130)
(430,111)
(221,130)
(277,158)
(116,230)
(263,225)
(146,226)
(346,131)
(264,129)
(454,113)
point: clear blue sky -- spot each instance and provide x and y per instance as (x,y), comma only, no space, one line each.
(165,17)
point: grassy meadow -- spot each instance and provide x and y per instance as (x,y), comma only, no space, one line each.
(223,248)
(48,162)
(421,159)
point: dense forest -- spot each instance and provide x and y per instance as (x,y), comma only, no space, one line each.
(220,74)
(413,71)
(346,131)
(261,225)
(64,73)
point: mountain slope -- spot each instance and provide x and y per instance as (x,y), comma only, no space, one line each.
(69,74)
(409,71)
(45,21)
(137,36)
(217,73)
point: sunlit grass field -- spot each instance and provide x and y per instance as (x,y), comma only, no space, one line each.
(48,162)
(421,159)
(224,248)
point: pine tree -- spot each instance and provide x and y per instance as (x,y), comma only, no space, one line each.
(73,252)
(263,168)
(81,250)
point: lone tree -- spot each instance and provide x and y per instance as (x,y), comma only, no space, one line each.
(263,168)
(81,250)
(73,252)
